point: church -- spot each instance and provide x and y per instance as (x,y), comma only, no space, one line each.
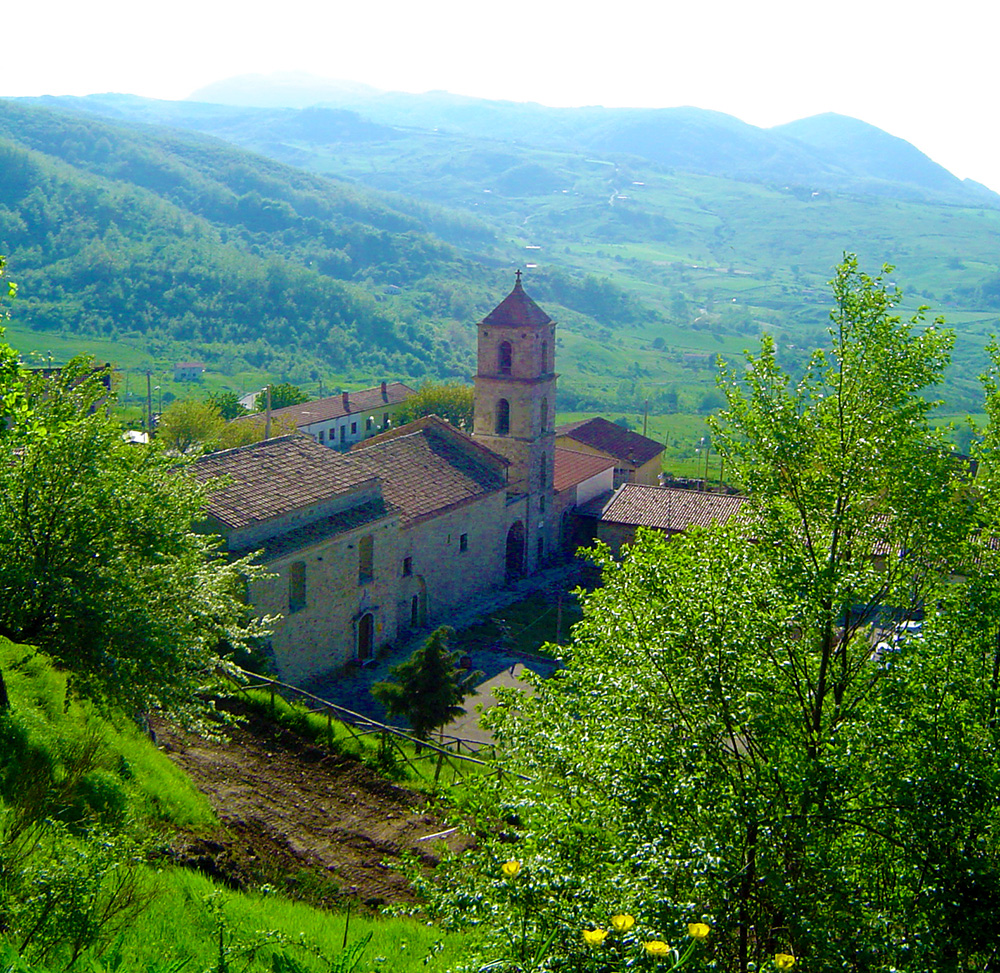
(365,547)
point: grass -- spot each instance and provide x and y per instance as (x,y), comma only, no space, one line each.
(185,921)
(528,626)
(64,729)
(189,911)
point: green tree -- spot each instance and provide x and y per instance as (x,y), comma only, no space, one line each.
(722,745)
(451,402)
(100,568)
(281,395)
(187,423)
(428,689)
(228,404)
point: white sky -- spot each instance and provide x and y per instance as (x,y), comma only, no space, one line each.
(923,72)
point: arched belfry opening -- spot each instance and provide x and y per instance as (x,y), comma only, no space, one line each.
(503,418)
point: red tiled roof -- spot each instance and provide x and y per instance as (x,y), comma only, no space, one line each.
(572,467)
(675,510)
(332,407)
(517,310)
(610,438)
(428,466)
(273,478)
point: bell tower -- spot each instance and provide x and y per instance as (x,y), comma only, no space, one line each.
(515,401)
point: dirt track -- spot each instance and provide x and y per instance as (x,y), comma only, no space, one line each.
(292,815)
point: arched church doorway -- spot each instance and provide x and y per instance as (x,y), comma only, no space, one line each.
(366,637)
(515,550)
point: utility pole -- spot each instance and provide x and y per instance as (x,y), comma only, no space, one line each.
(149,406)
(267,414)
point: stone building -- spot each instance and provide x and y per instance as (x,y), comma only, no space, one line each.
(367,546)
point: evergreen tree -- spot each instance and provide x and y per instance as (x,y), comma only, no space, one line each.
(428,689)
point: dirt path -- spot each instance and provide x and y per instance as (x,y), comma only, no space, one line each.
(292,815)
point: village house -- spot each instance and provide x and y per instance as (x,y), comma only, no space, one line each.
(614,517)
(339,421)
(637,459)
(189,371)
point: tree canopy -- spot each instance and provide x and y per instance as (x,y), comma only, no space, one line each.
(724,744)
(100,567)
(452,402)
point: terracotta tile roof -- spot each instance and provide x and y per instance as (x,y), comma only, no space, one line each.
(428,466)
(275,477)
(333,407)
(572,467)
(337,523)
(517,310)
(674,510)
(610,438)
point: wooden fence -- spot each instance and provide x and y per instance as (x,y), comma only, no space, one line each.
(458,753)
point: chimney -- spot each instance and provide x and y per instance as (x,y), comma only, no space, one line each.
(346,405)
(385,395)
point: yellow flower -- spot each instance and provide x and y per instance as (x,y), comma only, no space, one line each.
(622,923)
(657,948)
(698,930)
(511,869)
(594,937)
(784,961)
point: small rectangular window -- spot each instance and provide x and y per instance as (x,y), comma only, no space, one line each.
(343,434)
(407,566)
(368,423)
(366,559)
(322,436)
(354,428)
(463,542)
(296,586)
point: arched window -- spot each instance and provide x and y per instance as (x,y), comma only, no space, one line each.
(366,559)
(504,357)
(545,414)
(503,417)
(543,475)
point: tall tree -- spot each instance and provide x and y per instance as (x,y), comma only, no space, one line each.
(100,567)
(281,395)
(721,722)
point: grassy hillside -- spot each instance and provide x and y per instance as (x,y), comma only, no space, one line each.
(87,806)
(264,270)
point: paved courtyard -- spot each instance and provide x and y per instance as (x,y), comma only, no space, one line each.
(500,665)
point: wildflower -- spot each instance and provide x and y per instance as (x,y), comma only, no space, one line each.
(594,937)
(510,869)
(622,923)
(784,961)
(657,948)
(698,930)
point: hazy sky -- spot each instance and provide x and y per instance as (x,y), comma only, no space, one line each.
(926,73)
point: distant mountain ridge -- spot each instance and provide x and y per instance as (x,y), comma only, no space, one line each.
(825,152)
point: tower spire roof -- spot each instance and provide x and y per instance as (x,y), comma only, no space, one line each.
(517,310)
